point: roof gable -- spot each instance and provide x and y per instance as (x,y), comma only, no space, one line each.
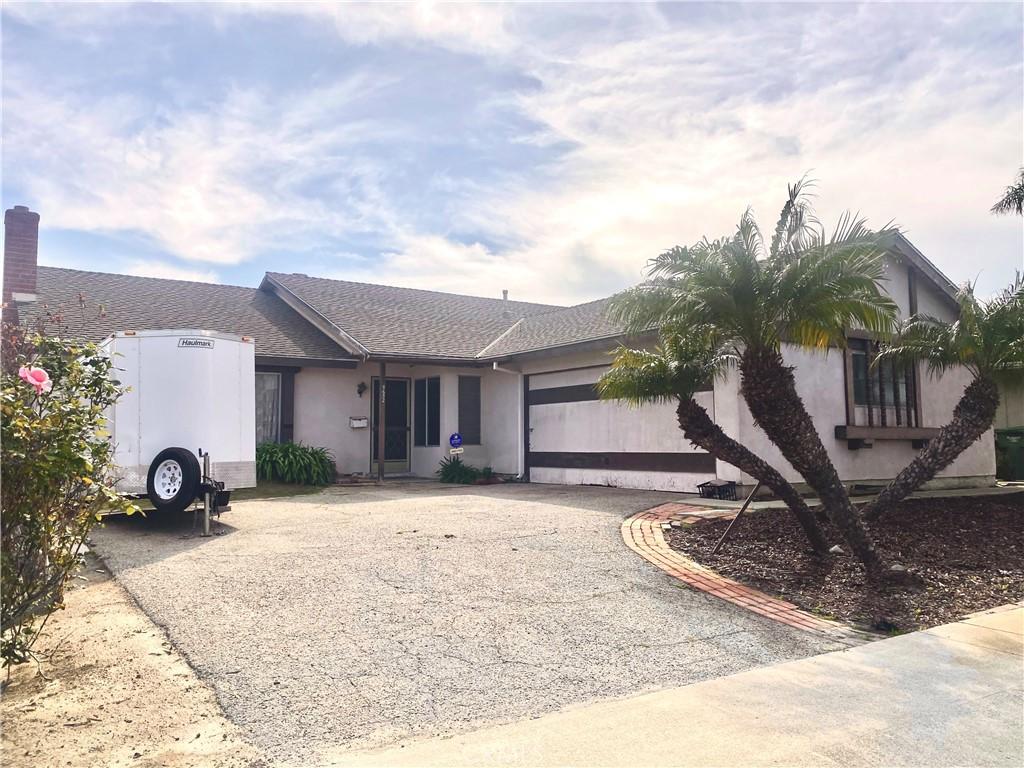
(406,322)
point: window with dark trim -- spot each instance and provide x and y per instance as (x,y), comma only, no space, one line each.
(427,410)
(275,401)
(268,407)
(886,390)
(469,409)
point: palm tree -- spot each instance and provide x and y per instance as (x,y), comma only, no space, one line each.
(807,287)
(987,339)
(1012,200)
(674,372)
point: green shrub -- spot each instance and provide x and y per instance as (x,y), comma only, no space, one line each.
(57,469)
(294,463)
(487,473)
(454,470)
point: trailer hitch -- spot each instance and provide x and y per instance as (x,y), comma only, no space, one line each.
(211,490)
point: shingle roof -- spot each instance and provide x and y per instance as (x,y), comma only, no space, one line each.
(384,320)
(407,321)
(146,303)
(568,325)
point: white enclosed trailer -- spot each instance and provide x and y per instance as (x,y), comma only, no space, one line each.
(190,392)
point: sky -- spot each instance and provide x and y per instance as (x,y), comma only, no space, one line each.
(546,149)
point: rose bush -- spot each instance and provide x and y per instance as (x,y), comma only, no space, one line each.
(56,465)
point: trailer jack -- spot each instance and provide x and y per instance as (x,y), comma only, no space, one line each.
(211,490)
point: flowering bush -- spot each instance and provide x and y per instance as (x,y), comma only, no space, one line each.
(56,465)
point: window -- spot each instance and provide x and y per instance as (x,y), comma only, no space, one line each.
(427,409)
(268,408)
(469,409)
(885,393)
(859,354)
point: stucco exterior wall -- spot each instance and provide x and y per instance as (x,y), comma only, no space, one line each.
(325,398)
(1011,404)
(897,284)
(820,382)
(931,302)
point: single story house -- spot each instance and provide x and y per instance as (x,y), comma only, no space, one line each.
(515,379)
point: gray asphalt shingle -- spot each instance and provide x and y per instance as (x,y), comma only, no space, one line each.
(407,321)
(386,320)
(568,325)
(121,302)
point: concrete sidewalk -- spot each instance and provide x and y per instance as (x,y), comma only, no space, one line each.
(948,696)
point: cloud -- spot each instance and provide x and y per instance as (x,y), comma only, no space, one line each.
(438,263)
(673,134)
(211,185)
(670,134)
(550,151)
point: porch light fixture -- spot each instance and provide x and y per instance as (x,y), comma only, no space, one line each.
(360,388)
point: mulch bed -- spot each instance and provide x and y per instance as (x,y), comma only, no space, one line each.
(969,551)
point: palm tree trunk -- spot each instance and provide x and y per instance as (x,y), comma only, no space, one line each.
(769,388)
(700,430)
(972,417)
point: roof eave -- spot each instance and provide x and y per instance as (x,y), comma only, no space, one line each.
(597,343)
(309,313)
(906,249)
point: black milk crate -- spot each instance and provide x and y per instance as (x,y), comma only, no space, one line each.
(718,489)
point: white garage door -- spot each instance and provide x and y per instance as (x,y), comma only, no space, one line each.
(577,439)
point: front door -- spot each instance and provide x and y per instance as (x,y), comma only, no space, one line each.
(396,426)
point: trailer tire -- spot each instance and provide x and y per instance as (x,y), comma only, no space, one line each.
(173,480)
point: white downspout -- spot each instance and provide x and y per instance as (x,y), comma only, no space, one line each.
(521,447)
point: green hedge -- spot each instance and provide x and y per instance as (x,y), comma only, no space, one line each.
(294,463)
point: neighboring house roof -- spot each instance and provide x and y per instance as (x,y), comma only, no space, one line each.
(123,302)
(557,328)
(406,322)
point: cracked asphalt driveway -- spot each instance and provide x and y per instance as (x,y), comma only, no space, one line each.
(363,616)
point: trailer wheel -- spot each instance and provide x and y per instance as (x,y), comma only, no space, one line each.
(173,480)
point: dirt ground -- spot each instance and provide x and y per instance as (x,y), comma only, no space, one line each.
(118,694)
(969,552)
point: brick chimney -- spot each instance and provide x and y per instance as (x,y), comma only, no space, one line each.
(21,253)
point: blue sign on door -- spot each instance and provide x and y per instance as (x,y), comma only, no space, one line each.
(455,440)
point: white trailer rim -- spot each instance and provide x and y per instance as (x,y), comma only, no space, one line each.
(168,479)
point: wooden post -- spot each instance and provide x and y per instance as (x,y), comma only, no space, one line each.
(381,402)
(732,524)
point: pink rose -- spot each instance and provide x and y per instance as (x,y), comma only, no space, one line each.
(37,377)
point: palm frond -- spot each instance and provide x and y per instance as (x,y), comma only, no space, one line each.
(638,377)
(684,362)
(808,286)
(922,338)
(795,220)
(1012,200)
(987,337)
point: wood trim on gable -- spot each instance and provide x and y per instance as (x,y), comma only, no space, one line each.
(315,318)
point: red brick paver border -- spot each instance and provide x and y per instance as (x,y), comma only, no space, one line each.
(643,534)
